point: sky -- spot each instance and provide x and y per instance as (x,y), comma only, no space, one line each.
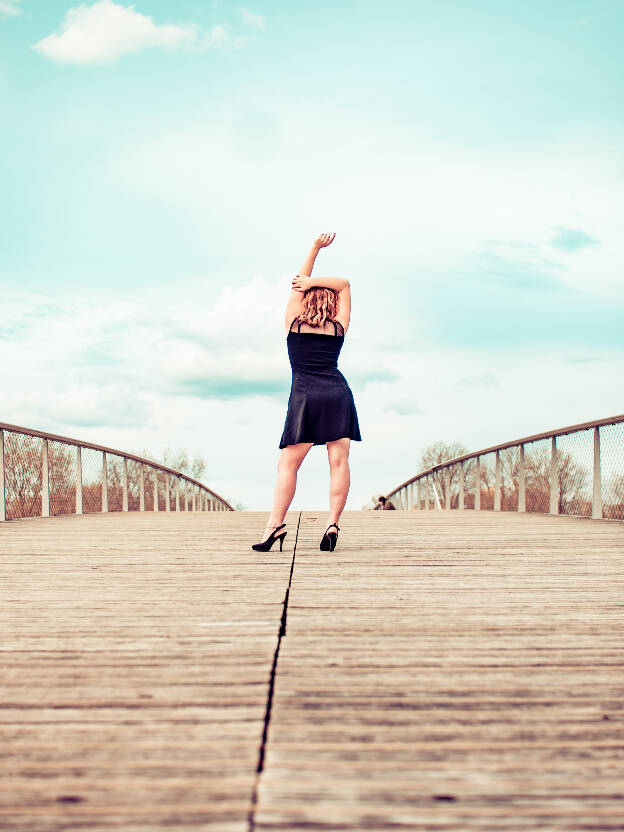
(165,168)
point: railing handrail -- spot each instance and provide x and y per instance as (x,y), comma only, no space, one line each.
(41,434)
(596,423)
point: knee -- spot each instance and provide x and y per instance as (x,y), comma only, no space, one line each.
(338,463)
(287,466)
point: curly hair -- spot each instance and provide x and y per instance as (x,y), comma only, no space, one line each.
(318,305)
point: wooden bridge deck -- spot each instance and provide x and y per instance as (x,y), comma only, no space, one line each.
(438,671)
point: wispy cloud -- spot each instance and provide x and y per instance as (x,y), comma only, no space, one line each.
(573,239)
(484,380)
(106,31)
(10,8)
(252,19)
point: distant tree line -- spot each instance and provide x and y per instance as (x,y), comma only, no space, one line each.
(24,477)
(574,480)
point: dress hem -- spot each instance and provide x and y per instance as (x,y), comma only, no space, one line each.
(323,442)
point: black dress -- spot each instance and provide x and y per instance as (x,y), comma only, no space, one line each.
(321,406)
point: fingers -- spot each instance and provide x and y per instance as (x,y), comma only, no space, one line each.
(325,239)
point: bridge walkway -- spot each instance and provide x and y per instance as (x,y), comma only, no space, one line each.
(439,670)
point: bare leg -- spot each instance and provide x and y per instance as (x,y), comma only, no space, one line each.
(288,464)
(339,477)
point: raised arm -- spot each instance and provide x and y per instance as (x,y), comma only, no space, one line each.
(294,301)
(338,284)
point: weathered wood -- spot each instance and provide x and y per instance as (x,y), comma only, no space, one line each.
(450,671)
(439,670)
(136,652)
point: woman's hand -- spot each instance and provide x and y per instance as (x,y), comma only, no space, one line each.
(324,240)
(301,283)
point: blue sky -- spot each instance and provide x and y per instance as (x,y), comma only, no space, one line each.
(166,166)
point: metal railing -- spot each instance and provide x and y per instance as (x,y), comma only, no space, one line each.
(578,470)
(42,474)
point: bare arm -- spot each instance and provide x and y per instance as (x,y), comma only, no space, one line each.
(308,263)
(338,284)
(294,301)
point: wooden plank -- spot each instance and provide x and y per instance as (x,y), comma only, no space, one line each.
(450,671)
(136,652)
(440,670)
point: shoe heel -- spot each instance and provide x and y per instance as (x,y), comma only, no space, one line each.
(281,540)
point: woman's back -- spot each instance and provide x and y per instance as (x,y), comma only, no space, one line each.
(329,327)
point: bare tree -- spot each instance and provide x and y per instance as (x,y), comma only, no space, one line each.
(435,454)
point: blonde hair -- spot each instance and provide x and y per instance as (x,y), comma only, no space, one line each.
(318,305)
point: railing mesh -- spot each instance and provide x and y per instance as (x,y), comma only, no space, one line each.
(63,473)
(510,472)
(23,473)
(114,481)
(78,477)
(575,471)
(148,479)
(486,479)
(470,472)
(612,471)
(537,475)
(92,462)
(575,462)
(134,485)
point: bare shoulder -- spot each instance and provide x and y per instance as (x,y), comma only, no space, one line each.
(293,308)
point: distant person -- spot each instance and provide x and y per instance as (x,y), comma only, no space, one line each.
(321,409)
(385,505)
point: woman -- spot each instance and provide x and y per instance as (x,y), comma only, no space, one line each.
(321,410)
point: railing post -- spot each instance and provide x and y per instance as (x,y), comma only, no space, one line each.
(521,481)
(554,478)
(155,484)
(597,495)
(435,494)
(418,494)
(194,497)
(426,490)
(124,485)
(447,488)
(141,487)
(462,486)
(167,492)
(104,483)
(177,493)
(45,481)
(497,482)
(2,480)
(477,486)
(79,506)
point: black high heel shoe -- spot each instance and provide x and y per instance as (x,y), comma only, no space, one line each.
(328,543)
(265,546)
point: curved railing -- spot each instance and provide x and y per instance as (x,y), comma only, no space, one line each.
(42,474)
(578,470)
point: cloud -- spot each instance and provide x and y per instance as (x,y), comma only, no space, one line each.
(252,19)
(216,37)
(573,239)
(106,31)
(10,8)
(485,380)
